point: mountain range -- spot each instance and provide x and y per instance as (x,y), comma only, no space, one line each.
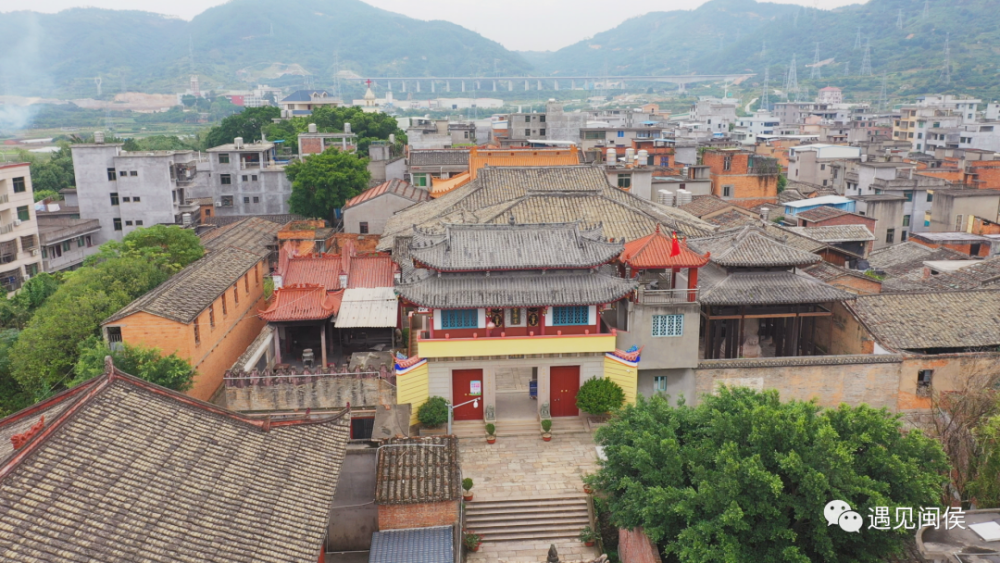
(250,41)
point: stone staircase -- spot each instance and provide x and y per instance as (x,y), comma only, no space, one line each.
(528,519)
(508,428)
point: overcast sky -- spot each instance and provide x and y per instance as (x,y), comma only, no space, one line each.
(522,25)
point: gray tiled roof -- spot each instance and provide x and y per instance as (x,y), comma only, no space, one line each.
(702,205)
(945,319)
(821,213)
(979,273)
(731,218)
(255,234)
(825,271)
(189,292)
(413,545)
(130,472)
(439,157)
(836,233)
(418,470)
(512,247)
(519,289)
(751,247)
(903,258)
(768,288)
(554,194)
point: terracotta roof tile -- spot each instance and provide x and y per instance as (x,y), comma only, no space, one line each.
(836,233)
(821,213)
(372,271)
(654,252)
(318,269)
(438,157)
(302,303)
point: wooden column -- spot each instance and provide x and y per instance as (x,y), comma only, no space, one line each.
(794,336)
(739,347)
(708,333)
(322,343)
(692,283)
(277,345)
(432,324)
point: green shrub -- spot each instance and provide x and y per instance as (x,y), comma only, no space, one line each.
(433,413)
(491,429)
(546,425)
(599,396)
(467,484)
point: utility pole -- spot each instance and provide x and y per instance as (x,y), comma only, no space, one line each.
(816,72)
(866,62)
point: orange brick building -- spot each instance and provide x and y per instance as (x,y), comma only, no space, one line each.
(740,175)
(966,243)
(418,483)
(207,313)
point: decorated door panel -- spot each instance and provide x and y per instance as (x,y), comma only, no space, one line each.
(564,383)
(467,384)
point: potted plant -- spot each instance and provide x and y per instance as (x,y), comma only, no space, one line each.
(471,540)
(546,426)
(467,485)
(587,488)
(433,414)
(587,536)
(491,433)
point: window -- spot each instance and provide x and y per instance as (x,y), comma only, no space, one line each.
(227,201)
(362,428)
(924,378)
(727,191)
(527,132)
(541,131)
(256,276)
(959,223)
(890,235)
(908,194)
(123,173)
(112,175)
(67,246)
(668,325)
(246,283)
(118,224)
(211,316)
(23,214)
(226,179)
(244,177)
(19,186)
(225,308)
(589,135)
(420,180)
(135,199)
(173,195)
(363,228)
(541,118)
(573,315)
(256,199)
(223,158)
(197,333)
(31,269)
(128,223)
(29,242)
(527,119)
(81,242)
(236,293)
(727,163)
(621,134)
(133,173)
(126,199)
(902,236)
(930,196)
(659,384)
(906,220)
(460,318)
(624,181)
(253,177)
(246,199)
(822,167)
(138,223)
(114,198)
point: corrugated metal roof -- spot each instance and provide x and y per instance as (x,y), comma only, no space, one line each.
(413,545)
(368,307)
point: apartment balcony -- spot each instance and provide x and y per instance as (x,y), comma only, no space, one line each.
(4,198)
(7,227)
(496,343)
(666,296)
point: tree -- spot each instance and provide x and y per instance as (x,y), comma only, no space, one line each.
(323,182)
(48,176)
(246,124)
(145,363)
(17,310)
(745,477)
(433,413)
(12,396)
(188,100)
(368,127)
(599,395)
(167,246)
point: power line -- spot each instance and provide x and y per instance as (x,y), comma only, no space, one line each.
(847,68)
(927,8)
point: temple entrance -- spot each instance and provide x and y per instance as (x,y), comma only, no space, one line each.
(466,385)
(516,392)
(564,383)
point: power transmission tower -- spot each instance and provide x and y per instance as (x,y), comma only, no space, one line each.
(816,72)
(866,62)
(899,19)
(765,97)
(927,8)
(946,71)
(792,87)
(883,100)
(847,68)
(763,50)
(97,81)
(857,39)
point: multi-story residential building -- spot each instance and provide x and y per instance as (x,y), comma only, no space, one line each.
(830,95)
(66,242)
(981,136)
(916,123)
(619,138)
(19,251)
(315,142)
(966,107)
(887,210)
(553,124)
(811,163)
(129,190)
(918,194)
(741,174)
(717,114)
(246,180)
(302,102)
(760,123)
(957,210)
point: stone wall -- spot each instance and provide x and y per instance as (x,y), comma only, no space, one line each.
(286,390)
(635,547)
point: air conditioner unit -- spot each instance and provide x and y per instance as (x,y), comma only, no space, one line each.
(17,222)
(218,204)
(34,252)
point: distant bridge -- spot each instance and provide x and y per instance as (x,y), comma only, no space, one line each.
(553,83)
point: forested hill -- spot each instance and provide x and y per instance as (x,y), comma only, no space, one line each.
(240,42)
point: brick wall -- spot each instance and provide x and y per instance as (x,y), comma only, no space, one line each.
(987,175)
(311,146)
(635,547)
(964,248)
(419,515)
(744,185)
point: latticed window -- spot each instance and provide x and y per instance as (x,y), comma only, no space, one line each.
(575,315)
(668,325)
(460,318)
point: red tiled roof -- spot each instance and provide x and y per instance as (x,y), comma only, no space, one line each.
(319,269)
(303,303)
(397,187)
(653,252)
(371,271)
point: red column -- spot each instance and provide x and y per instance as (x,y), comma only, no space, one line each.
(432,324)
(692,283)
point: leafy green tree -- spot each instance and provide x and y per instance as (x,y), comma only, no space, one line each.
(246,124)
(50,175)
(323,182)
(368,127)
(188,100)
(12,396)
(745,477)
(145,363)
(433,413)
(599,395)
(17,310)
(167,246)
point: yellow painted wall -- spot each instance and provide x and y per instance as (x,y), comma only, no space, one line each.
(470,347)
(413,388)
(626,377)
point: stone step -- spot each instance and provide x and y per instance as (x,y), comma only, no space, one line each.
(514,523)
(528,519)
(542,534)
(508,514)
(569,501)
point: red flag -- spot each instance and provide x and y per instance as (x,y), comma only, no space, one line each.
(675,246)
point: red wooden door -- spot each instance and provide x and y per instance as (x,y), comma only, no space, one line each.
(564,383)
(466,385)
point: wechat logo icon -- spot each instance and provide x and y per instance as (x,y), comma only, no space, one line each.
(839,512)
